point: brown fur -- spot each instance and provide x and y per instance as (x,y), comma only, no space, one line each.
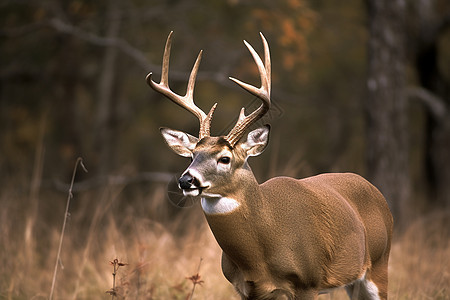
(303,236)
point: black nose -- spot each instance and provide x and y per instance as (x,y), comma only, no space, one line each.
(187,181)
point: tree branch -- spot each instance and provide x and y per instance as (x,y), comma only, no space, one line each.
(129,50)
(93,183)
(435,104)
(137,55)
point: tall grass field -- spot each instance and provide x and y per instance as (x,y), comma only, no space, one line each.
(164,252)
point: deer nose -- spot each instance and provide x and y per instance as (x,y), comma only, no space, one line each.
(187,181)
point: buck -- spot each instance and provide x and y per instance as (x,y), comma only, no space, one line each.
(285,238)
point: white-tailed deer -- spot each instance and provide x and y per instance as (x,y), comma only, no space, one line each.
(285,238)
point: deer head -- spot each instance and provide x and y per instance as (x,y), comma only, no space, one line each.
(215,160)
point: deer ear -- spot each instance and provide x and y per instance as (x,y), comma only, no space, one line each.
(180,142)
(257,141)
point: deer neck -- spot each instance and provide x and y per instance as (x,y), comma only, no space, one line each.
(230,219)
(237,196)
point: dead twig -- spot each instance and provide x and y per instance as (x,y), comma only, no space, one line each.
(116,264)
(196,279)
(66,214)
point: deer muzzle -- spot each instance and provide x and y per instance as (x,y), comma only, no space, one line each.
(190,185)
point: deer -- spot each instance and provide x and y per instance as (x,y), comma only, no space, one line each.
(285,238)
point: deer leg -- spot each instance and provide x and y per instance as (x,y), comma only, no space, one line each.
(232,273)
(373,286)
(376,280)
(353,290)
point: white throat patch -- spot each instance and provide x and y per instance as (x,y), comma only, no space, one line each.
(219,205)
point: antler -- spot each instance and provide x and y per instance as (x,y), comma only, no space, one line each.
(263,93)
(186,101)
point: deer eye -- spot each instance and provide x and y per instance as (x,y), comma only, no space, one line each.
(224,160)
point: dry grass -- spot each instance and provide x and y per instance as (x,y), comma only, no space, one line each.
(420,261)
(159,259)
(139,229)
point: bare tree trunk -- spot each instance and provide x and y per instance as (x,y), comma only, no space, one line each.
(387,122)
(105,126)
(437,131)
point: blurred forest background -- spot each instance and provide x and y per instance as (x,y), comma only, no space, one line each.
(359,86)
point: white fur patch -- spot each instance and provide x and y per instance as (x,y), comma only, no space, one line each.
(364,287)
(193,193)
(220,205)
(371,289)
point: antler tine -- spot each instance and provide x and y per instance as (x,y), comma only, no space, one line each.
(186,101)
(263,93)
